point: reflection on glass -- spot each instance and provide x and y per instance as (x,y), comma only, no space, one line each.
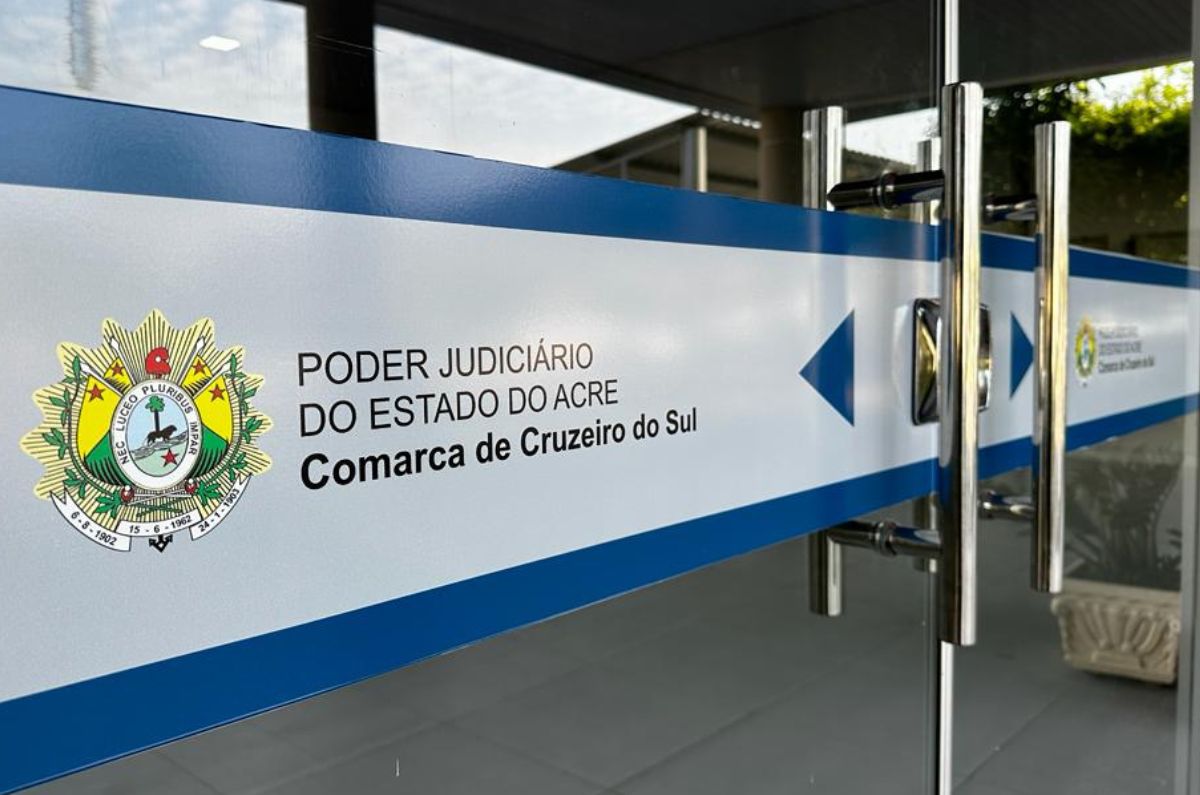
(162,54)
(443,96)
(246,59)
(1128,161)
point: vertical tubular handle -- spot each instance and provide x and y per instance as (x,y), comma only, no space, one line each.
(824,575)
(929,158)
(824,140)
(958,354)
(1053,171)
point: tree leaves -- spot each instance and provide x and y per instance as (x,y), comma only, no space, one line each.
(1115,507)
(1129,156)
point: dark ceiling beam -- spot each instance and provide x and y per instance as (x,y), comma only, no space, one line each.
(340,38)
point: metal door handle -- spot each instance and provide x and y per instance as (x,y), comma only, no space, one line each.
(824,143)
(1053,173)
(957,186)
(958,353)
(1046,507)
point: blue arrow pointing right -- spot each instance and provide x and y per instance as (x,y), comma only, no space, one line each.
(1022,356)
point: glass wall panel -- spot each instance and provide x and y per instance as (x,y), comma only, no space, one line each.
(1076,692)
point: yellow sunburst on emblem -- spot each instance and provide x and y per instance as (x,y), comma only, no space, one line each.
(148,434)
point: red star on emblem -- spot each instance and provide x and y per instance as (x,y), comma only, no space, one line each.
(169,457)
(116,369)
(216,392)
(95,393)
(198,368)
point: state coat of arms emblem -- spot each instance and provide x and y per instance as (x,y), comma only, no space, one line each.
(1085,350)
(150,434)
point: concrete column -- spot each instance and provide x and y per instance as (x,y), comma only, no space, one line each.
(341,66)
(781,155)
(693,159)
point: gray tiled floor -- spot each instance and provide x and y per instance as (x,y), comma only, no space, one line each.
(716,682)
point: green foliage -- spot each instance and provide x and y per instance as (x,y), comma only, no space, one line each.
(208,492)
(54,438)
(155,404)
(73,481)
(251,425)
(244,395)
(108,504)
(1156,113)
(1129,159)
(236,466)
(63,403)
(1114,507)
(234,373)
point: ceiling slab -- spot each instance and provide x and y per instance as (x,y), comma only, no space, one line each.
(742,56)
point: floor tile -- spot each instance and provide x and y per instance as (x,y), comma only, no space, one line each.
(469,679)
(788,630)
(439,761)
(601,629)
(784,749)
(238,758)
(133,775)
(599,724)
(713,664)
(994,701)
(1103,735)
(345,721)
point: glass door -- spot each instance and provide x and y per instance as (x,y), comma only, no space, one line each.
(691,668)
(719,638)
(1086,689)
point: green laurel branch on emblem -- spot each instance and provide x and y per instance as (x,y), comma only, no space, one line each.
(208,492)
(76,376)
(73,481)
(249,427)
(63,403)
(236,466)
(244,396)
(108,504)
(146,510)
(54,438)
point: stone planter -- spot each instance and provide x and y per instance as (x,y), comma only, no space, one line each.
(1119,629)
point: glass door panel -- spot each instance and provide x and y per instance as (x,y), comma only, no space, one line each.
(1077,692)
(717,680)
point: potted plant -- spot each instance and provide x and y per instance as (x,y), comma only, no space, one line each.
(1119,612)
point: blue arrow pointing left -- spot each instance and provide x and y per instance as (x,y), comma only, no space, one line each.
(831,369)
